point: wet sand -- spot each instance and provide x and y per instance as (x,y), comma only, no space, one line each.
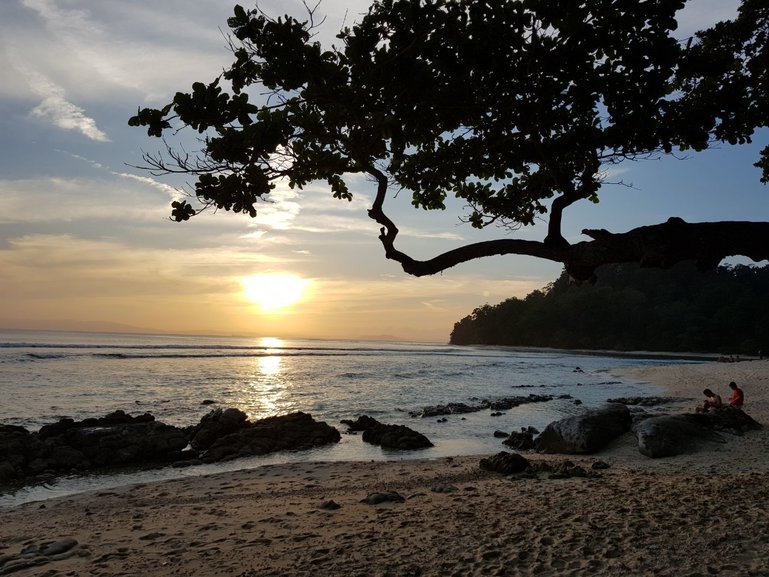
(693,515)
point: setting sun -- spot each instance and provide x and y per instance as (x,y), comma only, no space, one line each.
(274,292)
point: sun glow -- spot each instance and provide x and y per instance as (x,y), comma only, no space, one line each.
(274,292)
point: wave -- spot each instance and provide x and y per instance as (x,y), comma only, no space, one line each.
(45,356)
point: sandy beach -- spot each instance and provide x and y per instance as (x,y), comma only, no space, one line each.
(693,515)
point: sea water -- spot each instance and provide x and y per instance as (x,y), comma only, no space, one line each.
(45,376)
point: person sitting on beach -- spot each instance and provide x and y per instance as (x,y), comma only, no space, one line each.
(712,401)
(738,397)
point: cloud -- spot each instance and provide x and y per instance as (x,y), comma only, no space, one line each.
(55,108)
(51,200)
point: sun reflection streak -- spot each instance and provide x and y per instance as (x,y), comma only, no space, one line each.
(270,366)
(267,390)
(272,344)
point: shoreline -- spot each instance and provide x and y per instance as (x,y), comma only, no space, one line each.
(697,514)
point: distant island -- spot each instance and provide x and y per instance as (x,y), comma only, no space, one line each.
(722,311)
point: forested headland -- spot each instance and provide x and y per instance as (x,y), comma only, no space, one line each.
(725,311)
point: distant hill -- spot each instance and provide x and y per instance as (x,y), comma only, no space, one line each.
(678,310)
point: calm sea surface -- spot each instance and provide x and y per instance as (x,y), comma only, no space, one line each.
(48,375)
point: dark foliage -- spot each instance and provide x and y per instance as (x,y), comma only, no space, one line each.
(516,108)
(680,309)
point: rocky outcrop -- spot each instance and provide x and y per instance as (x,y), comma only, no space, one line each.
(115,440)
(503,404)
(119,440)
(588,432)
(645,401)
(398,437)
(292,432)
(215,425)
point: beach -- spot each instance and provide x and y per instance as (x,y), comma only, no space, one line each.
(691,515)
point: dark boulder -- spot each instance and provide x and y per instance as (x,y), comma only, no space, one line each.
(669,435)
(122,444)
(505,463)
(15,448)
(292,432)
(588,432)
(729,420)
(362,423)
(397,437)
(520,440)
(215,425)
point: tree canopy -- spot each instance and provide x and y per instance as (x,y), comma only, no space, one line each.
(724,310)
(515,107)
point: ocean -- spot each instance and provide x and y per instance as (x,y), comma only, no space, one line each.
(45,376)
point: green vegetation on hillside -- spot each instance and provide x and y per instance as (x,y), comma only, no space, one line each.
(725,310)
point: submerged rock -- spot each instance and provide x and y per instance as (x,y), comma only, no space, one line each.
(496,405)
(645,401)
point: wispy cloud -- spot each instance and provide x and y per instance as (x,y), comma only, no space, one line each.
(55,108)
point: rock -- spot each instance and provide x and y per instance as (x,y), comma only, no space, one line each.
(495,405)
(444,489)
(505,463)
(383,497)
(292,432)
(645,401)
(585,433)
(121,444)
(118,440)
(330,505)
(669,435)
(501,435)
(448,409)
(215,425)
(397,437)
(730,420)
(362,423)
(520,441)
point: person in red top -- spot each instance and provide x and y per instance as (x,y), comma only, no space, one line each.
(738,397)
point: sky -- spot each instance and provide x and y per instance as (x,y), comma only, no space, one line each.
(85,238)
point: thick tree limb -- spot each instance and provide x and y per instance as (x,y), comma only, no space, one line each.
(660,245)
